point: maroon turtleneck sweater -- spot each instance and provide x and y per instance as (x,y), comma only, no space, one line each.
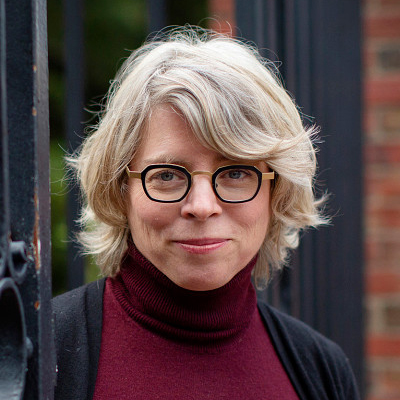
(160,341)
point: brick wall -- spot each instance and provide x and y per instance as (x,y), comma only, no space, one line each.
(222,13)
(381,74)
(382,196)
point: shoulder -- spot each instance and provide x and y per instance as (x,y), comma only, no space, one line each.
(299,334)
(73,310)
(78,322)
(74,302)
(311,357)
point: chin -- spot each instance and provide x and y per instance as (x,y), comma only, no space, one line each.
(200,287)
(201,284)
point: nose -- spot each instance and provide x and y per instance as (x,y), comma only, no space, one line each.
(201,202)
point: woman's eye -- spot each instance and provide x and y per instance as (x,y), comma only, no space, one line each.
(236,174)
(166,176)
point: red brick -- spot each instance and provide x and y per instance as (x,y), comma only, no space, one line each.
(390,5)
(382,255)
(388,154)
(385,191)
(391,120)
(383,184)
(384,380)
(221,6)
(382,26)
(384,218)
(383,345)
(388,57)
(222,13)
(392,316)
(369,60)
(383,397)
(371,248)
(383,283)
(392,384)
(381,39)
(383,90)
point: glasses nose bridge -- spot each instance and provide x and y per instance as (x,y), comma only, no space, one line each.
(207,173)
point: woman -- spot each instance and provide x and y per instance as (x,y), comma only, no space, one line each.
(199,174)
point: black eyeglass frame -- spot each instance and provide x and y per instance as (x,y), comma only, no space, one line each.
(213,175)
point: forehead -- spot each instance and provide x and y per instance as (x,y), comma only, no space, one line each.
(168,138)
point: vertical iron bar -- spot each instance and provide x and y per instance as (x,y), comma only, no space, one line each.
(322,262)
(289,52)
(74,84)
(13,354)
(157,15)
(271,31)
(305,281)
(4,195)
(259,25)
(245,11)
(343,122)
(27,88)
(46,374)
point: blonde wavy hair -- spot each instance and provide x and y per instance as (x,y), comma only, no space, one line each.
(235,105)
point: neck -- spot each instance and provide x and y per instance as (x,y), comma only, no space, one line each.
(209,318)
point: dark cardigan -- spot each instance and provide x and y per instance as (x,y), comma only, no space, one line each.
(317,367)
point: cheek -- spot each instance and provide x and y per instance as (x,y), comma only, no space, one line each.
(147,217)
(258,225)
(256,218)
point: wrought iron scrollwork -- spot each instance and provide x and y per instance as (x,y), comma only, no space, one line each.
(18,260)
(15,345)
(13,341)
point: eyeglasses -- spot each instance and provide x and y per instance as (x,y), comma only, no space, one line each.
(168,183)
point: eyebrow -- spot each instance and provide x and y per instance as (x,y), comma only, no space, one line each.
(168,159)
(162,159)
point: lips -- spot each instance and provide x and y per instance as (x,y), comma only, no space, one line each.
(202,245)
(201,242)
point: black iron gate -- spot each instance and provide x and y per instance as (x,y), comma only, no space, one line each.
(319,45)
(27,361)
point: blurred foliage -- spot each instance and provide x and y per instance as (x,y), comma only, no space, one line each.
(112,29)
(58,189)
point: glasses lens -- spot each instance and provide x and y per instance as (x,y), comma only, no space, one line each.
(166,183)
(237,183)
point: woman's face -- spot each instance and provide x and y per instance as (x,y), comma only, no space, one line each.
(200,243)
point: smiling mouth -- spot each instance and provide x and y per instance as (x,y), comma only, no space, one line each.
(201,246)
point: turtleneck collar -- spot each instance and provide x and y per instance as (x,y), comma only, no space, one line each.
(207,318)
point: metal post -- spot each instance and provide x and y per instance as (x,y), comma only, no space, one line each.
(25,290)
(75,98)
(157,15)
(4,195)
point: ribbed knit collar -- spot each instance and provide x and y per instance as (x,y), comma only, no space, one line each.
(207,318)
